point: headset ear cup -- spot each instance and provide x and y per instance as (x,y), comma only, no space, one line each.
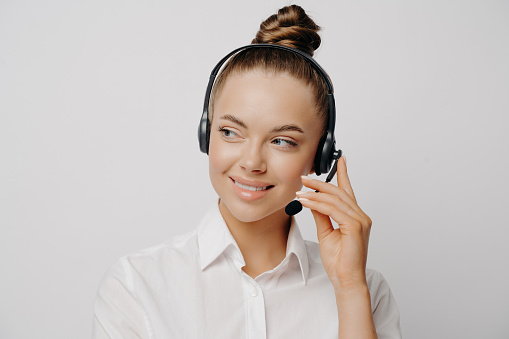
(327,153)
(318,156)
(204,133)
(208,136)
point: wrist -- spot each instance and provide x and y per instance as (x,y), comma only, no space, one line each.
(353,295)
(350,283)
(351,290)
(355,315)
(350,287)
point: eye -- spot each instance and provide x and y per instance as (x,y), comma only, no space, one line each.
(284,143)
(227,133)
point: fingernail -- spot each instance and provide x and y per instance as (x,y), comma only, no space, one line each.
(303,199)
(305,177)
(344,158)
(300,192)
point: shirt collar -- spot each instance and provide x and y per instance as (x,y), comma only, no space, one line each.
(297,246)
(214,238)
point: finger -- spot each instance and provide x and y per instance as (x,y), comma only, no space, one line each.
(344,221)
(325,187)
(319,185)
(323,224)
(348,206)
(342,177)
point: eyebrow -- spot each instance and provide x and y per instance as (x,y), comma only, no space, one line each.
(282,128)
(234,120)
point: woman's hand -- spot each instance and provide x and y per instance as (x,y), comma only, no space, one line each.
(343,250)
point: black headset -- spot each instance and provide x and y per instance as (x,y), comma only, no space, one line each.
(325,153)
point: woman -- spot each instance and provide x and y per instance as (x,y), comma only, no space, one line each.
(246,272)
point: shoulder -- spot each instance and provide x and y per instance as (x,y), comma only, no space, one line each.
(378,288)
(185,243)
(375,279)
(383,304)
(173,252)
(120,305)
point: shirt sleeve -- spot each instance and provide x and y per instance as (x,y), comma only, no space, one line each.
(385,310)
(117,312)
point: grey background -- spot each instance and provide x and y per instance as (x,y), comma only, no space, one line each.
(99,107)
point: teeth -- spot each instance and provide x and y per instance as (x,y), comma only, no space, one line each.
(250,188)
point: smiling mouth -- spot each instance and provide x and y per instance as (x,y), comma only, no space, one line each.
(252,188)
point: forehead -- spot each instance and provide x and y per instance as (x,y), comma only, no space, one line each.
(262,98)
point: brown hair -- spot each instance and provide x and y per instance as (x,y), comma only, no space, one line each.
(291,27)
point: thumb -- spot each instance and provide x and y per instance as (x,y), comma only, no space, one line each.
(323,224)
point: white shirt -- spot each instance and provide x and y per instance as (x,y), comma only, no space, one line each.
(193,286)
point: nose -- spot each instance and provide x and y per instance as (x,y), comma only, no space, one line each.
(253,159)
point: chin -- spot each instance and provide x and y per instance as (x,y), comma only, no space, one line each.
(252,212)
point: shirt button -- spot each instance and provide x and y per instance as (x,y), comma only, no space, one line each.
(254,293)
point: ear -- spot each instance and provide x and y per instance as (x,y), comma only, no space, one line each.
(312,170)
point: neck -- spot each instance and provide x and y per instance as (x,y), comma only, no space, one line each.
(262,242)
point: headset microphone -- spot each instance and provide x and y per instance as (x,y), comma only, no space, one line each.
(295,206)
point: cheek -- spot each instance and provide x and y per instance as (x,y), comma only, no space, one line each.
(220,157)
(290,169)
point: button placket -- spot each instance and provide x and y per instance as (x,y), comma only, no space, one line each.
(254,292)
(255,309)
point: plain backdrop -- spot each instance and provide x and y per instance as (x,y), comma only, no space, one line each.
(99,109)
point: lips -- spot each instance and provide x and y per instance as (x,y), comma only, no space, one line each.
(250,190)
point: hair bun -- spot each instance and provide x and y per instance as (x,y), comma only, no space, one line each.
(291,27)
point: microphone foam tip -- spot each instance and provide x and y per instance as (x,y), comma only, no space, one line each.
(293,207)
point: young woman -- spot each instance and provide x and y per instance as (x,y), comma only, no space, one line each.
(246,272)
